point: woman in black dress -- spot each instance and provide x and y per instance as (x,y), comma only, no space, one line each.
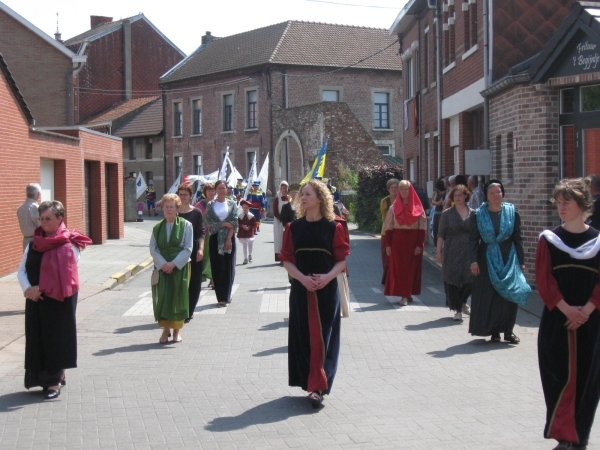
(49,278)
(314,252)
(566,268)
(193,216)
(496,242)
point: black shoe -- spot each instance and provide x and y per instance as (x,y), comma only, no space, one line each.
(315,399)
(51,394)
(188,319)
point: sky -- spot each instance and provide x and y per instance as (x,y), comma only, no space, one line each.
(185,22)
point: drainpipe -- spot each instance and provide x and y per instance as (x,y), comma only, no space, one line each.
(69,76)
(418,100)
(438,79)
(285,89)
(486,72)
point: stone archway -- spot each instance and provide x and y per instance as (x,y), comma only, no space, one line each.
(288,161)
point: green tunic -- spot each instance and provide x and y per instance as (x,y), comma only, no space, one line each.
(170,297)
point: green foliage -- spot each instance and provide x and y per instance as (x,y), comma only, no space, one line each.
(371,189)
(347,179)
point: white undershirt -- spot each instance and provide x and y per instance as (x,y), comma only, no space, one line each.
(220,209)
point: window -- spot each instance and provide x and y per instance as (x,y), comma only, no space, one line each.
(177,119)
(434,48)
(330,96)
(427,57)
(467,24)
(177,163)
(590,98)
(385,149)
(381,110)
(498,158)
(567,101)
(408,85)
(252,101)
(197,116)
(411,169)
(148,148)
(227,112)
(197,159)
(473,20)
(149,177)
(131,146)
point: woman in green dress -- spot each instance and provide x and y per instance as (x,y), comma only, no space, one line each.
(170,248)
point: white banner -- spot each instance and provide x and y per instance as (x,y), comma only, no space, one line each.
(251,177)
(173,189)
(263,176)
(140,185)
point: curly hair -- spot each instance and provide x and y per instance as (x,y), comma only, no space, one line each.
(460,187)
(171,198)
(323,194)
(575,189)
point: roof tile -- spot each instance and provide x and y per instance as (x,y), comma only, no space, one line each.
(149,122)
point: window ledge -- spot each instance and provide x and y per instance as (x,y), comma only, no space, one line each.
(425,91)
(383,129)
(227,132)
(432,85)
(250,130)
(195,135)
(470,52)
(449,67)
(177,137)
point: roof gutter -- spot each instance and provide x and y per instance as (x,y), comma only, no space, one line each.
(505,83)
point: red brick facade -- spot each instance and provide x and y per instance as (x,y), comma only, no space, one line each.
(356,89)
(70,149)
(151,56)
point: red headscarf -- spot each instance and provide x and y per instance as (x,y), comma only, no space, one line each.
(409,213)
(59,277)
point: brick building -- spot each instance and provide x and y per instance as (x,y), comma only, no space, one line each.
(125,60)
(501,89)
(144,145)
(46,70)
(80,167)
(251,92)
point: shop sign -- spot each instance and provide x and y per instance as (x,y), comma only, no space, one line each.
(583,57)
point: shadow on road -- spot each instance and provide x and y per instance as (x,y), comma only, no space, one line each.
(146,326)
(275,325)
(272,351)
(276,410)
(437,323)
(133,348)
(262,265)
(280,288)
(469,348)
(18,400)
(11,313)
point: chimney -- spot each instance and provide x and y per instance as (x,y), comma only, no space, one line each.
(207,38)
(58,37)
(99,20)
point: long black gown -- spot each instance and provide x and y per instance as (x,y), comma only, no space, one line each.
(490,312)
(314,332)
(50,332)
(196,219)
(569,361)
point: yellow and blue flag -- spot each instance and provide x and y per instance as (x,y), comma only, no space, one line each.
(318,168)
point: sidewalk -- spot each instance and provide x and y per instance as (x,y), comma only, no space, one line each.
(101,267)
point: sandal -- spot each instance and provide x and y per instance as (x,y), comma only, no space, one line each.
(512,338)
(495,337)
(315,399)
(404,301)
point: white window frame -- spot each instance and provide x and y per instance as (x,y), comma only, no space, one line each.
(173,104)
(246,105)
(339,89)
(456,153)
(193,116)
(177,157)
(249,159)
(390,143)
(194,165)
(223,95)
(390,93)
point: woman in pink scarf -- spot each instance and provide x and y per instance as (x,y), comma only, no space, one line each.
(50,281)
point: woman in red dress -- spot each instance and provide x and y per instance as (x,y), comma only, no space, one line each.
(405,228)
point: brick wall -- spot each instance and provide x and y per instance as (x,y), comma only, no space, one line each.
(349,142)
(303,88)
(40,71)
(530,113)
(151,57)
(22,149)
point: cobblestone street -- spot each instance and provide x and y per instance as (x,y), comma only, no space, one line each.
(409,378)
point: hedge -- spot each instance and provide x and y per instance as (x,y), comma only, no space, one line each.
(371,189)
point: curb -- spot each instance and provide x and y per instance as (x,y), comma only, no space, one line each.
(130,271)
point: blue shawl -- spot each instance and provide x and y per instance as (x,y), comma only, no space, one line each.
(508,280)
